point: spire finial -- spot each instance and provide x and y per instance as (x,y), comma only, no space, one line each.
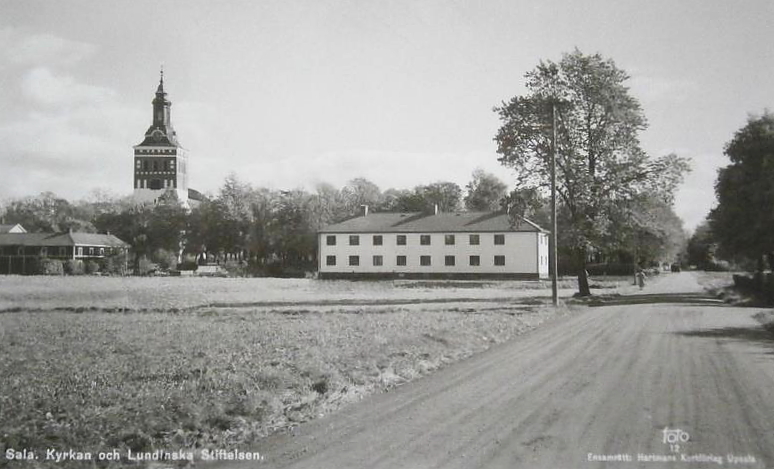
(162,74)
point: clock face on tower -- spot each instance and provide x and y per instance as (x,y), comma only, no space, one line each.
(157,135)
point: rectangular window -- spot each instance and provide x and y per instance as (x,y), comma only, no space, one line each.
(378,261)
(499,260)
(499,239)
(424,240)
(354,260)
(424,260)
(354,240)
(401,240)
(62,252)
(474,240)
(449,260)
(330,240)
(400,260)
(138,164)
(330,260)
(475,260)
(448,240)
(377,240)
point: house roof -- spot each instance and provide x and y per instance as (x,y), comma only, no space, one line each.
(193,194)
(418,222)
(60,239)
(17,228)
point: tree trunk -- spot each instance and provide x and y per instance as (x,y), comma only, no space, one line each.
(583,276)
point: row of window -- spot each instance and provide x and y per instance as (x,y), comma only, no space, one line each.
(155,184)
(62,251)
(424,240)
(449,261)
(155,165)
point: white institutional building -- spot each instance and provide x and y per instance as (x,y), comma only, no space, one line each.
(442,245)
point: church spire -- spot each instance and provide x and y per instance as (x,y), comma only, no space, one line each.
(160,89)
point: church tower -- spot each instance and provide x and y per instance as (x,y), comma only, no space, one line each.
(160,163)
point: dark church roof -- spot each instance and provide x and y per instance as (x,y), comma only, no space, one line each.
(161,133)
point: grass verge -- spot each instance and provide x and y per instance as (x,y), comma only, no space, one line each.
(219,377)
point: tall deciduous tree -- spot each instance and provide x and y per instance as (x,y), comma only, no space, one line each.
(599,160)
(446,195)
(743,221)
(484,192)
(358,192)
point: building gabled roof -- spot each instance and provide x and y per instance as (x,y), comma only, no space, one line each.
(193,194)
(418,222)
(96,239)
(17,228)
(60,239)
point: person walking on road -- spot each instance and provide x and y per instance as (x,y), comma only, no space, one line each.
(641,278)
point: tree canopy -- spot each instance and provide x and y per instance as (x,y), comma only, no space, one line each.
(600,164)
(484,192)
(743,222)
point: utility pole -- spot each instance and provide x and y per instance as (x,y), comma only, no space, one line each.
(552,258)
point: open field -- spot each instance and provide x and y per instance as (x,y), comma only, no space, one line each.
(94,363)
(175,293)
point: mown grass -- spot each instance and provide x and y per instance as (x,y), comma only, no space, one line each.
(218,377)
(18,293)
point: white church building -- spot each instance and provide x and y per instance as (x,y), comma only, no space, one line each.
(467,245)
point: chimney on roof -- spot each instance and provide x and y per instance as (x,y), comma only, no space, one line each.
(365,210)
(435,209)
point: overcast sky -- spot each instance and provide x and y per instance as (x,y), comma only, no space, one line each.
(290,93)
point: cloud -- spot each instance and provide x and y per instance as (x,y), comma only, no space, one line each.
(649,88)
(43,87)
(387,169)
(33,49)
(696,196)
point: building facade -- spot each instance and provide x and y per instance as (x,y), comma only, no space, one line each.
(19,251)
(469,245)
(160,162)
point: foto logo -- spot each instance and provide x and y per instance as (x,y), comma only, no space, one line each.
(674,437)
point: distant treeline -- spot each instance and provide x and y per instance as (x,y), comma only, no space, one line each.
(259,231)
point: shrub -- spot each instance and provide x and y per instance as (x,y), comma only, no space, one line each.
(165,259)
(187,265)
(236,268)
(50,267)
(73,267)
(114,264)
(146,267)
(91,267)
(610,269)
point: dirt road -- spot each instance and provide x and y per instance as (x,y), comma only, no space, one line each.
(590,391)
